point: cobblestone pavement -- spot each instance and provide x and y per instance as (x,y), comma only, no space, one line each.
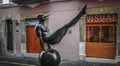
(34,61)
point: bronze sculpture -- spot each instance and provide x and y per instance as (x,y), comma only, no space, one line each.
(50,57)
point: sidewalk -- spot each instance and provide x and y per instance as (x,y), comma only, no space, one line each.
(24,60)
(34,61)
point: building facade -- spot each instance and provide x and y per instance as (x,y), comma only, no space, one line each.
(10,29)
(100,34)
(94,37)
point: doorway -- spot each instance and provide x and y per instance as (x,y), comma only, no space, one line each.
(9,33)
(33,44)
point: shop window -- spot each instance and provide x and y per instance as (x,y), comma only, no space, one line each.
(93,34)
(102,34)
(107,34)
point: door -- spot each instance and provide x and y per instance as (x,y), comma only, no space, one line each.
(33,45)
(101,40)
(9,33)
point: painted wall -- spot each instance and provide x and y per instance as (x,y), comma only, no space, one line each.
(0,1)
(102,3)
(62,13)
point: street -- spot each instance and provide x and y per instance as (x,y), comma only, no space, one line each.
(6,63)
(28,61)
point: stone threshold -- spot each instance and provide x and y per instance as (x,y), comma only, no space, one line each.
(100,60)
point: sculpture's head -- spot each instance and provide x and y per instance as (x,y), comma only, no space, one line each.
(42,17)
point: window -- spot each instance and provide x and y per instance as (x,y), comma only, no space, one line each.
(93,34)
(102,34)
(108,34)
(5,1)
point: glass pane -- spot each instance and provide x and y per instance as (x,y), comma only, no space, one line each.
(87,34)
(107,34)
(114,40)
(93,34)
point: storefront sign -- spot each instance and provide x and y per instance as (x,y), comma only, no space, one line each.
(101,18)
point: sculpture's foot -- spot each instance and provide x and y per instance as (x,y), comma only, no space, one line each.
(84,9)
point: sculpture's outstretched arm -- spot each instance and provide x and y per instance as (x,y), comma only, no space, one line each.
(56,37)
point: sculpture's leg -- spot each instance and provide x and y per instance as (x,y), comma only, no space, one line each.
(48,46)
(58,35)
(39,35)
(41,44)
(75,20)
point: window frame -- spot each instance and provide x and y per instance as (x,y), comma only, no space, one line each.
(101,25)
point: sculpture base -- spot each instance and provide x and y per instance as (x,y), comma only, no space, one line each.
(49,57)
